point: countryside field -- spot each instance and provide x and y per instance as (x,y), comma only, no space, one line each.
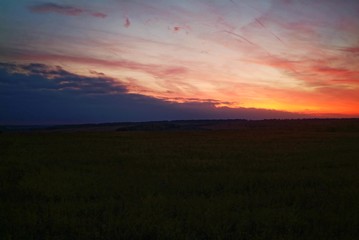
(250,180)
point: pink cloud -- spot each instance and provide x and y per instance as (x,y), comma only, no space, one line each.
(64,10)
(353,50)
(277,62)
(317,71)
(99,14)
(333,71)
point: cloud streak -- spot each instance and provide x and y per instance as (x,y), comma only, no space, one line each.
(64,10)
(156,70)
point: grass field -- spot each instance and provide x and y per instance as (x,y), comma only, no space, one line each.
(255,183)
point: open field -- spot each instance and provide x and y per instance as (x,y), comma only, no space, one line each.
(239,180)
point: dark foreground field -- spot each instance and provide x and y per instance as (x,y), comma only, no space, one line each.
(258,181)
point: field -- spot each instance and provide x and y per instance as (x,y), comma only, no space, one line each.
(249,180)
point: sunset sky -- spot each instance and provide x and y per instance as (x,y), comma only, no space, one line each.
(81,61)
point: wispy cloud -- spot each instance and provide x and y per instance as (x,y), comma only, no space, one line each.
(67,10)
(156,70)
(351,50)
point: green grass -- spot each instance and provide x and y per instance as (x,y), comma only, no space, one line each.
(248,184)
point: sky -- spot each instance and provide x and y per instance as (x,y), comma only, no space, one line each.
(84,61)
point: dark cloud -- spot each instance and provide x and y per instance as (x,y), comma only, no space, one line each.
(64,10)
(40,77)
(40,94)
(127,23)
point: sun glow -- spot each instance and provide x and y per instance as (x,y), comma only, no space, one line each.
(290,56)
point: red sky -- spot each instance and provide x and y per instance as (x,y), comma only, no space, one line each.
(285,55)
